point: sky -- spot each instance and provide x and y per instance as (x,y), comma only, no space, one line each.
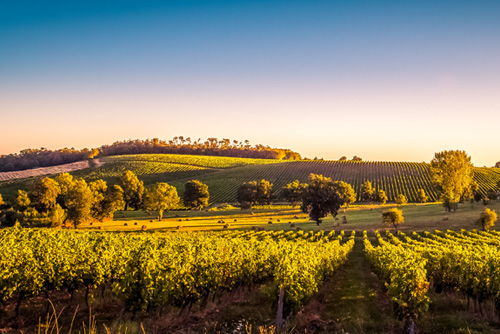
(383,80)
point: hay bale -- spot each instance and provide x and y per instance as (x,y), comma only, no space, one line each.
(446,218)
(292,225)
(225,226)
(235,220)
(135,223)
(144,227)
(269,222)
(125,224)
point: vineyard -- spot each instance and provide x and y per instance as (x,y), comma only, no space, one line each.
(466,262)
(393,177)
(224,175)
(148,271)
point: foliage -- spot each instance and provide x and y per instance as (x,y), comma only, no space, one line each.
(401,199)
(151,271)
(22,200)
(452,172)
(404,272)
(293,192)
(250,193)
(78,202)
(322,197)
(367,191)
(346,192)
(393,217)
(161,197)
(381,196)
(487,219)
(422,196)
(196,195)
(133,189)
(43,194)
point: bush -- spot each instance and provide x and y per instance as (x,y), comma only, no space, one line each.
(393,217)
(401,199)
(487,219)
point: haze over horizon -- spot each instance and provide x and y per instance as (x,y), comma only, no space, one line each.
(386,80)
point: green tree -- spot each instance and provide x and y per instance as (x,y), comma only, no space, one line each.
(57,216)
(161,197)
(133,189)
(265,193)
(22,200)
(65,182)
(422,196)
(78,201)
(106,200)
(393,217)
(246,194)
(346,192)
(452,173)
(293,192)
(367,191)
(196,195)
(321,198)
(401,199)
(487,219)
(43,194)
(381,196)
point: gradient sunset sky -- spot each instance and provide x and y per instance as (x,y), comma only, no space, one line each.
(384,80)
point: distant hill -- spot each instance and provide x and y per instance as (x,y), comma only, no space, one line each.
(43,157)
(223,175)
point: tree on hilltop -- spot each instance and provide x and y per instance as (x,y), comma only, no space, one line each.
(452,173)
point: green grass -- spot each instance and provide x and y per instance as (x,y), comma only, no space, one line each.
(418,217)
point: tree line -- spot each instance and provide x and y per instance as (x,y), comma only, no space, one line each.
(43,157)
(66,200)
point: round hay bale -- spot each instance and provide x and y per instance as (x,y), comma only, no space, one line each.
(144,227)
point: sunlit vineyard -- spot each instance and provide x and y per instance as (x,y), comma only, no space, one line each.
(466,262)
(224,175)
(394,177)
(152,270)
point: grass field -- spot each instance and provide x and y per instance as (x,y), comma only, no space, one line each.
(418,217)
(224,175)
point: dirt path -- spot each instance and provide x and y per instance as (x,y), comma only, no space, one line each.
(66,168)
(352,301)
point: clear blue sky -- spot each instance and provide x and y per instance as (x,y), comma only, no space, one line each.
(384,80)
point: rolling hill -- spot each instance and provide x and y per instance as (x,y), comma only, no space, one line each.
(223,175)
